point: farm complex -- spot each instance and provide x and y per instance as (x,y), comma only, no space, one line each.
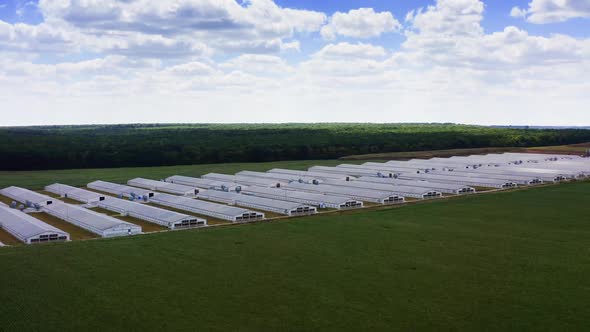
(109,209)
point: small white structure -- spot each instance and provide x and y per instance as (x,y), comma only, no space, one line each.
(162,217)
(166,187)
(80,195)
(26,196)
(265,204)
(28,229)
(220,211)
(121,190)
(320,200)
(92,221)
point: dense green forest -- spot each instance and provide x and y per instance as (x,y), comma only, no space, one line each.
(59,147)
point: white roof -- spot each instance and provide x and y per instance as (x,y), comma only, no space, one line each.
(24,226)
(85,217)
(386,187)
(339,190)
(201,183)
(474,181)
(160,185)
(285,178)
(146,210)
(415,183)
(245,180)
(200,205)
(117,189)
(22,195)
(240,198)
(286,194)
(343,170)
(73,192)
(320,175)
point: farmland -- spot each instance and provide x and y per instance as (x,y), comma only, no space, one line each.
(515,260)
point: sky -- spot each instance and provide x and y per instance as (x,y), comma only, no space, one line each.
(493,62)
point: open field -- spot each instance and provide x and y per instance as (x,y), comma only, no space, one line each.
(515,260)
(80,177)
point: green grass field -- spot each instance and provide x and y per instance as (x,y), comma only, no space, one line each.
(80,177)
(516,260)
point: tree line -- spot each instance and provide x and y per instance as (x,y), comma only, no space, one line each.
(102,146)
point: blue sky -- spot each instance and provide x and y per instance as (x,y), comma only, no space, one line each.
(469,61)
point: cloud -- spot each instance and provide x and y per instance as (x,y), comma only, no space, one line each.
(348,50)
(226,26)
(219,60)
(551,11)
(360,23)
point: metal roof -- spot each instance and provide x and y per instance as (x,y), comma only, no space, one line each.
(23,195)
(360,194)
(244,180)
(285,178)
(118,189)
(240,199)
(401,190)
(163,215)
(24,226)
(204,206)
(202,183)
(440,186)
(173,188)
(78,194)
(320,175)
(86,218)
(289,195)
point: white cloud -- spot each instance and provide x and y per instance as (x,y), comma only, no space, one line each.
(180,58)
(551,11)
(256,26)
(348,50)
(360,23)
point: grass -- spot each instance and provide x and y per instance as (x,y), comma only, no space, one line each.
(515,260)
(80,177)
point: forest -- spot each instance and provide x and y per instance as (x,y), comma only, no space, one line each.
(104,146)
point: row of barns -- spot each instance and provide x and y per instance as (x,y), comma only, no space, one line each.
(179,202)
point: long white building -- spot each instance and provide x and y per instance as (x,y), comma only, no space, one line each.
(28,229)
(365,195)
(204,183)
(121,190)
(244,180)
(92,221)
(27,196)
(78,194)
(165,187)
(401,190)
(260,203)
(215,210)
(320,200)
(448,188)
(162,217)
